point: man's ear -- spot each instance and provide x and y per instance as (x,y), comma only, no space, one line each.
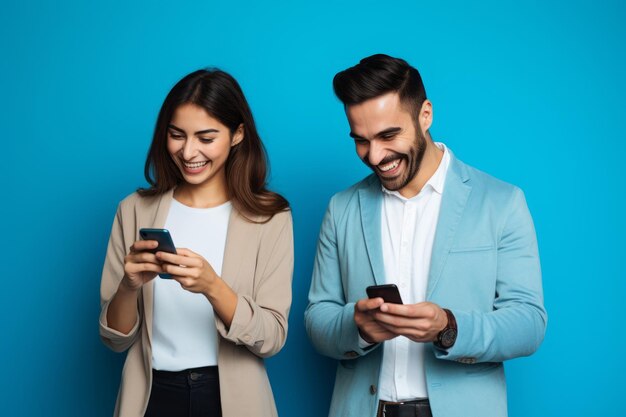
(238,136)
(426,115)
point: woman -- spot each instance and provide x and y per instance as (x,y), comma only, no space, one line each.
(196,341)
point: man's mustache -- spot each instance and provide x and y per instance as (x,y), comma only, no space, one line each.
(385,160)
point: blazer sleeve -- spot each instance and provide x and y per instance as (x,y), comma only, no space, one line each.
(329,320)
(260,320)
(517,324)
(112,274)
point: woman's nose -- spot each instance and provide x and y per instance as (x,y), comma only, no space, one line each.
(189,149)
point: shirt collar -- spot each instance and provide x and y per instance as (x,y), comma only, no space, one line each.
(436,182)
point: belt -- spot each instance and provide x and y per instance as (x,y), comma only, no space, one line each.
(192,374)
(418,408)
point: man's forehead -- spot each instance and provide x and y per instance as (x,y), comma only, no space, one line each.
(376,114)
(381,104)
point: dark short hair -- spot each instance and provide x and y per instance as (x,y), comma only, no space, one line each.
(377,75)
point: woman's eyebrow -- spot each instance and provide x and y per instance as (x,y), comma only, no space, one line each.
(199,132)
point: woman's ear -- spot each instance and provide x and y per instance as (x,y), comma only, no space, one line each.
(238,136)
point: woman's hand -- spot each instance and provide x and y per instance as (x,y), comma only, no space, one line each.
(140,266)
(192,271)
(195,274)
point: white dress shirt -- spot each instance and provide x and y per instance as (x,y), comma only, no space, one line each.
(408,229)
(183,330)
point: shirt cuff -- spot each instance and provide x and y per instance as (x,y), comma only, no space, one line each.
(363,344)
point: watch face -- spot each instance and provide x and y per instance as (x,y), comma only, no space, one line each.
(448,337)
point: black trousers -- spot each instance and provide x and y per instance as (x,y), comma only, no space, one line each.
(189,393)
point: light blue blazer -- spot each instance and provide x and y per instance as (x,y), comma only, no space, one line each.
(484,268)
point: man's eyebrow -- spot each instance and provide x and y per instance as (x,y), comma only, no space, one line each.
(389,131)
(199,132)
(386,132)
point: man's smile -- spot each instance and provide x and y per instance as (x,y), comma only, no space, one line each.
(389,166)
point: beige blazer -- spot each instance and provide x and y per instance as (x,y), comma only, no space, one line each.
(258,265)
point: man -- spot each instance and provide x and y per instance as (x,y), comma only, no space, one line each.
(460,246)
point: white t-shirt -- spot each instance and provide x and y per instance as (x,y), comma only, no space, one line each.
(183,330)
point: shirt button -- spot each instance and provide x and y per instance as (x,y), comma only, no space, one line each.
(372,389)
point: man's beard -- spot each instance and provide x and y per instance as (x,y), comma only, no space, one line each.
(412,160)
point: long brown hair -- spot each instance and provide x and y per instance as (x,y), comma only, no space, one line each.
(246,167)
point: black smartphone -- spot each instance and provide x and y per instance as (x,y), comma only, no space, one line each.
(166,244)
(388,292)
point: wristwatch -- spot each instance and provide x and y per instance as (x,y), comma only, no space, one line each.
(447,337)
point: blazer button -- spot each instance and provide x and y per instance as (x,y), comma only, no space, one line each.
(351,354)
(372,389)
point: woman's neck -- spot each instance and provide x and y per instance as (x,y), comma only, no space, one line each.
(201,196)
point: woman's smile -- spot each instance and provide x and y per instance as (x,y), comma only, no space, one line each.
(194,167)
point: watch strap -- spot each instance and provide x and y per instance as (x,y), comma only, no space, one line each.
(447,337)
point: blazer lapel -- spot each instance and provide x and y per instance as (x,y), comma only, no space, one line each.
(237,237)
(370,200)
(454,199)
(155,219)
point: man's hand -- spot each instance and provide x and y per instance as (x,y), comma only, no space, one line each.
(364,316)
(420,322)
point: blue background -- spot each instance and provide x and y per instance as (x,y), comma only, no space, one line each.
(531,92)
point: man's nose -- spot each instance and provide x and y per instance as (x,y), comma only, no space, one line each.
(376,153)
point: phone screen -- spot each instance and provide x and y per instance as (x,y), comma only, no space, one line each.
(166,244)
(388,292)
(160,235)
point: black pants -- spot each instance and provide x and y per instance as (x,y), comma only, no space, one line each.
(189,393)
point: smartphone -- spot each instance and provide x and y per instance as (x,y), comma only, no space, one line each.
(388,292)
(166,244)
